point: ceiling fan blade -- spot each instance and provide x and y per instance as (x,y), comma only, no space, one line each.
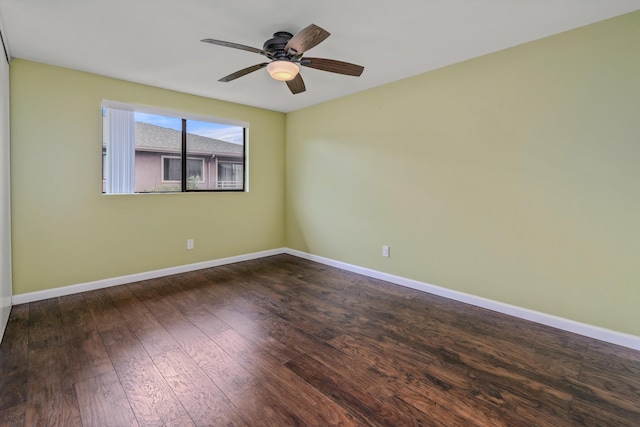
(306,38)
(235,46)
(333,66)
(243,72)
(296,85)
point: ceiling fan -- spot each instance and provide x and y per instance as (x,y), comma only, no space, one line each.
(285,52)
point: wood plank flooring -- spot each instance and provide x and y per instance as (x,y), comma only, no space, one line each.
(282,341)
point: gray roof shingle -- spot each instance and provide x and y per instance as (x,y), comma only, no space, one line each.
(156,138)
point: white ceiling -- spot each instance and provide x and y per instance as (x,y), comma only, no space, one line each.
(157,42)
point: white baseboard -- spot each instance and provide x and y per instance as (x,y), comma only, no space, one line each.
(121,280)
(602,334)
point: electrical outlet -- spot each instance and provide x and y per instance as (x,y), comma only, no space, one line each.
(385,251)
(189,244)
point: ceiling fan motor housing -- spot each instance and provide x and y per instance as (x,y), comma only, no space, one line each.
(275,46)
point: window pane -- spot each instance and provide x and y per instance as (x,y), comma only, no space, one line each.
(230,175)
(194,174)
(214,144)
(194,169)
(172,169)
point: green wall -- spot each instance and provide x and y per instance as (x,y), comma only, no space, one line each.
(65,232)
(514,176)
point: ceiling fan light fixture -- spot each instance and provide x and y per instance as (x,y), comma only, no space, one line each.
(283,70)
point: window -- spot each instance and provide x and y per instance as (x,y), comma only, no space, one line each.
(172,169)
(229,175)
(146,150)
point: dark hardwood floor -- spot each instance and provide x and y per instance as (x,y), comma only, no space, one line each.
(282,341)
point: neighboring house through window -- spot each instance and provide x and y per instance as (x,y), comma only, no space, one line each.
(145,152)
